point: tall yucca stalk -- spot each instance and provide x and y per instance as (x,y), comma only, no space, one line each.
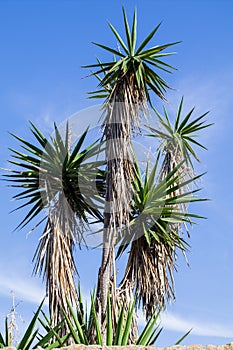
(130,77)
(49,178)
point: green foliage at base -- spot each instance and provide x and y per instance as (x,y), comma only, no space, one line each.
(84,328)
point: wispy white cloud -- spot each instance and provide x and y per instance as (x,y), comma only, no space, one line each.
(174,322)
(179,323)
(24,288)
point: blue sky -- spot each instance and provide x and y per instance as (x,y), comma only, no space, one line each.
(43,45)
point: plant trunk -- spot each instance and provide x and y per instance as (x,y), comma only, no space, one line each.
(106,269)
(120,118)
(104,286)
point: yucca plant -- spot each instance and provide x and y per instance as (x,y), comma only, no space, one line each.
(176,142)
(47,338)
(78,326)
(50,337)
(50,177)
(81,332)
(29,338)
(140,210)
(119,335)
(155,243)
(127,82)
(152,258)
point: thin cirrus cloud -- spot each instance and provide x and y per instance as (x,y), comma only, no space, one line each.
(178,323)
(23,288)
